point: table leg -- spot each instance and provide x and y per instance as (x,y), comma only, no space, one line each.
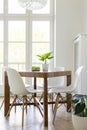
(45,103)
(69,96)
(35,85)
(6,94)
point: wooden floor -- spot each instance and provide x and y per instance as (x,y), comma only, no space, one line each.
(34,121)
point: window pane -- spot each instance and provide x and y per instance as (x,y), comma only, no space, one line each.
(16,31)
(45,10)
(1,61)
(1,6)
(1,30)
(1,52)
(14,7)
(39,48)
(40,31)
(16,52)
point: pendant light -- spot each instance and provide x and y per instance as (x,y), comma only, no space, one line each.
(32,4)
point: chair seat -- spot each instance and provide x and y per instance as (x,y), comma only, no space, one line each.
(27,85)
(33,91)
(62,89)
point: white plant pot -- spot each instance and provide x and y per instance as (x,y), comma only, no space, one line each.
(45,67)
(79,123)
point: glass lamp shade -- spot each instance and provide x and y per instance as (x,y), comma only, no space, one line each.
(32,4)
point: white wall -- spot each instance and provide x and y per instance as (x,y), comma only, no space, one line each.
(70,20)
(86,16)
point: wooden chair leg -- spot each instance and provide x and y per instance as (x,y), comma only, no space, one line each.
(52,100)
(23,112)
(55,107)
(26,103)
(11,106)
(15,102)
(37,103)
(15,106)
(41,96)
(2,103)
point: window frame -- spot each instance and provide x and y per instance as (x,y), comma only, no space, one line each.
(29,17)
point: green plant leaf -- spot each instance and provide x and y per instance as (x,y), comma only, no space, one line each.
(45,56)
(79,107)
(75,100)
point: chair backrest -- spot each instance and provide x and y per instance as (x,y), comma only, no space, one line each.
(77,78)
(15,82)
(56,81)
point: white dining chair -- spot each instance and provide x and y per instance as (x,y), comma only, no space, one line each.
(54,81)
(72,89)
(18,89)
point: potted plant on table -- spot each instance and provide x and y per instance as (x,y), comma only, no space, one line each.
(44,58)
(79,112)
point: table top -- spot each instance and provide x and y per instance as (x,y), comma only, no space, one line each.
(45,73)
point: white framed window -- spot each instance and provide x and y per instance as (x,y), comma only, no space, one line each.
(17,43)
(1,6)
(24,34)
(40,39)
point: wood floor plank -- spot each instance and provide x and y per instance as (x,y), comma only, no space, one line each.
(34,121)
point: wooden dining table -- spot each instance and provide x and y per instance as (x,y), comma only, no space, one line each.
(38,74)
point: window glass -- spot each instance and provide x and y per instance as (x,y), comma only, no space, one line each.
(1,48)
(39,48)
(16,52)
(16,31)
(40,39)
(41,31)
(1,6)
(1,41)
(1,52)
(45,10)
(1,30)
(1,60)
(17,39)
(15,8)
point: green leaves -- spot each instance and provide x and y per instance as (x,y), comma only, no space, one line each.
(45,56)
(35,68)
(79,105)
(75,101)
